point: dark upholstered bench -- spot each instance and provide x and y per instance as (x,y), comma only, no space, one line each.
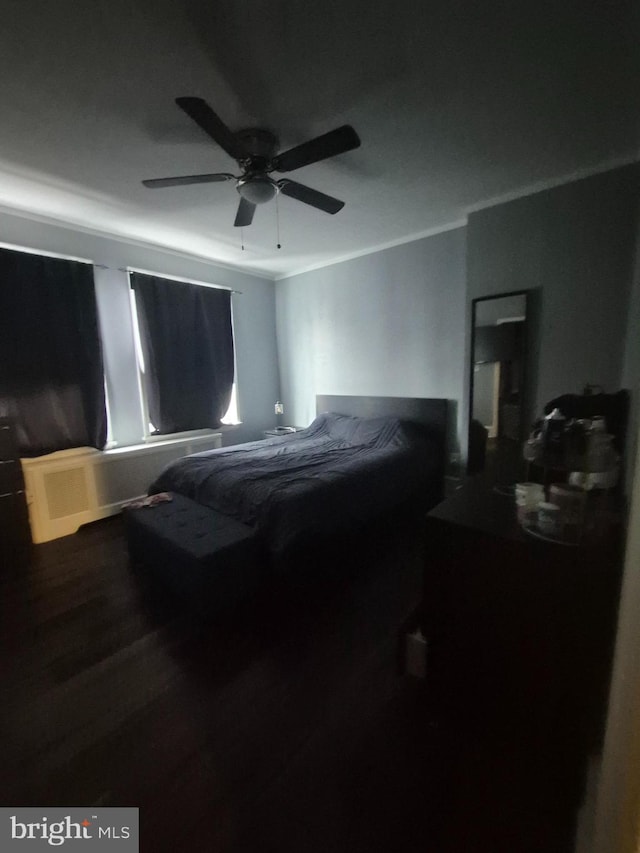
(207,558)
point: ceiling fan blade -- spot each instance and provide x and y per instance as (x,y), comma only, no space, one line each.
(305,194)
(204,116)
(157,183)
(328,145)
(244,216)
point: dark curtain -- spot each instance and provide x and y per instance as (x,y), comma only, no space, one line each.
(187,344)
(51,371)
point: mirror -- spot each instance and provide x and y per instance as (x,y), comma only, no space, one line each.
(497,407)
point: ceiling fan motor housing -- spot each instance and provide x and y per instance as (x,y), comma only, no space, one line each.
(258,142)
(255,185)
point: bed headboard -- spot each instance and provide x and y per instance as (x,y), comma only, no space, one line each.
(431,412)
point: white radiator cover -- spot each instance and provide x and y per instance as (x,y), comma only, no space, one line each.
(73,487)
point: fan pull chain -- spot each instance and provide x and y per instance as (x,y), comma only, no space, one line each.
(242,238)
(278,223)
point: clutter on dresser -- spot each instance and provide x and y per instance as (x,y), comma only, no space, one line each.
(575,449)
(580,446)
(582,436)
(564,513)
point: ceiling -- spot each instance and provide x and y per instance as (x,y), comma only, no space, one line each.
(456,103)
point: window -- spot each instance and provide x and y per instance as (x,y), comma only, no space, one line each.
(184,345)
(110,441)
(231,415)
(51,370)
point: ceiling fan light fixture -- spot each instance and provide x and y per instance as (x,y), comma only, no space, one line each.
(254,150)
(257,190)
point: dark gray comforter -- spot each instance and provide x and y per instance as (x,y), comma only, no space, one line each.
(339,472)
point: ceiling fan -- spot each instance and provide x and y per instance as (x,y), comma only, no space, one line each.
(255,152)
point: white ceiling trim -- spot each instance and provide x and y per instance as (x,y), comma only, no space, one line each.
(523,192)
(380,247)
(532,189)
(130,241)
(552,183)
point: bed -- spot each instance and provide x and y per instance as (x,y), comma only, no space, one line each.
(359,457)
(241,514)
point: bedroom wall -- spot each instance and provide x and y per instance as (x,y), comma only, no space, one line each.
(397,322)
(384,324)
(574,246)
(253,315)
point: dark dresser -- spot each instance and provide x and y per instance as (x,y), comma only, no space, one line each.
(15,533)
(520,630)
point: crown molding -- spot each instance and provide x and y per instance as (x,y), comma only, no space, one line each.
(131,241)
(522,192)
(379,247)
(270,275)
(553,183)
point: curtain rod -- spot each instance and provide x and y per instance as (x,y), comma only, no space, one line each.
(169,277)
(45,254)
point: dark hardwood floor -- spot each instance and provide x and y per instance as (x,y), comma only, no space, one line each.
(284,728)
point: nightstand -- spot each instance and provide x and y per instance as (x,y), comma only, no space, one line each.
(278,432)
